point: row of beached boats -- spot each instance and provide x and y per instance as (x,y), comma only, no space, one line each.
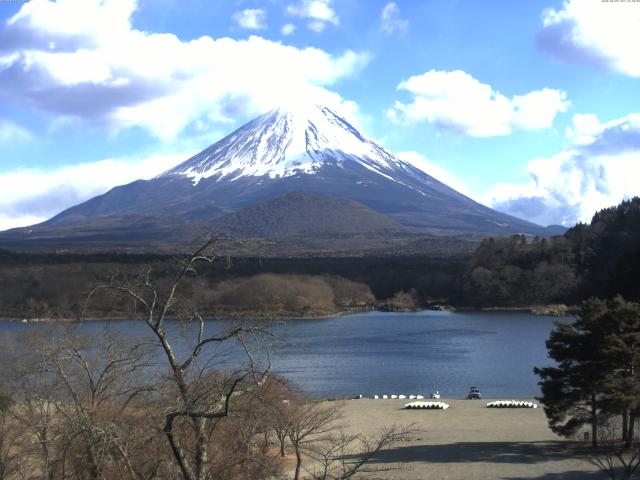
(428,405)
(474,394)
(511,404)
(396,397)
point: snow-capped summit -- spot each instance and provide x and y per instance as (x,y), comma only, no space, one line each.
(285,142)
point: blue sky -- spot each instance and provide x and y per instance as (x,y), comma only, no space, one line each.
(530,107)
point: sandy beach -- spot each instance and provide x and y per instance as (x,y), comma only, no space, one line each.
(468,441)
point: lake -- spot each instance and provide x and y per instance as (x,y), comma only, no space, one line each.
(400,353)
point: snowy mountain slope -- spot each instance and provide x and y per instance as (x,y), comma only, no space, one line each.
(282,143)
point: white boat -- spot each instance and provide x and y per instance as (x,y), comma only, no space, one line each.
(436,395)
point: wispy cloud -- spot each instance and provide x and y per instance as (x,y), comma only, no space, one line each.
(251,19)
(458,102)
(11,132)
(33,195)
(288,29)
(319,13)
(390,20)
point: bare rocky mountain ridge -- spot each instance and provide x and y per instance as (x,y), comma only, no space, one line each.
(286,174)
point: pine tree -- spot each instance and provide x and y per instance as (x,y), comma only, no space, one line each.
(572,391)
(598,369)
(621,351)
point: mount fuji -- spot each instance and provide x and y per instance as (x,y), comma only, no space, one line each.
(266,180)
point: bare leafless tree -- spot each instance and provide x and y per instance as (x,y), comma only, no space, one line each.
(10,458)
(308,424)
(97,383)
(341,456)
(281,402)
(617,457)
(323,448)
(196,401)
(35,416)
(77,401)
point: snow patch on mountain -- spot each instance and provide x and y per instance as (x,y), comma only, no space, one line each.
(283,143)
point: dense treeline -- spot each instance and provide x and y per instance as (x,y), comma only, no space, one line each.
(599,259)
(515,271)
(608,251)
(55,285)
(55,293)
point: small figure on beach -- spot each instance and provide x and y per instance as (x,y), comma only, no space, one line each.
(436,395)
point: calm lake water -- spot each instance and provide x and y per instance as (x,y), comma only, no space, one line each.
(395,353)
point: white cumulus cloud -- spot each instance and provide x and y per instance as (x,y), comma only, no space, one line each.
(103,70)
(319,13)
(599,169)
(595,32)
(251,18)
(457,101)
(390,20)
(32,195)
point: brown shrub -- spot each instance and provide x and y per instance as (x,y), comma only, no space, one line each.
(292,293)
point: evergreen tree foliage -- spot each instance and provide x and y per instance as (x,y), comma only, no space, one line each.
(571,391)
(597,372)
(621,351)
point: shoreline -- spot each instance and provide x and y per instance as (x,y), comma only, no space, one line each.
(275,316)
(551,310)
(536,310)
